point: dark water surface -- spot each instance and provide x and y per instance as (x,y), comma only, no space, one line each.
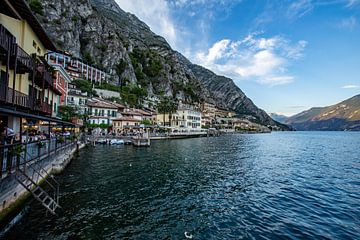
(295,185)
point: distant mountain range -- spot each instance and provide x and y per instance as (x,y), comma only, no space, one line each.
(278,117)
(344,116)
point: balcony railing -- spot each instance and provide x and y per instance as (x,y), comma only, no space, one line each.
(6,39)
(25,63)
(8,95)
(41,106)
(43,74)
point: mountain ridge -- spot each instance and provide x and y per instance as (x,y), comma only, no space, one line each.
(101,32)
(343,116)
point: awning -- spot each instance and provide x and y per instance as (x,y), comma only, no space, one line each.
(33,116)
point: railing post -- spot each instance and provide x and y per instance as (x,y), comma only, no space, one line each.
(2,153)
(14,78)
(56,144)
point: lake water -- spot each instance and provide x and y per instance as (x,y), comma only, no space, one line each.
(290,185)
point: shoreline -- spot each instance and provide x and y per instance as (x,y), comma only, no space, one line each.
(14,195)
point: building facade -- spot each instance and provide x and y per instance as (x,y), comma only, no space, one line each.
(76,68)
(101,112)
(26,80)
(61,83)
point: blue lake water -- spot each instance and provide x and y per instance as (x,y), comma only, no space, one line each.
(286,185)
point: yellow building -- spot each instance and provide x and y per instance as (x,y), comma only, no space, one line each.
(26,80)
(122,123)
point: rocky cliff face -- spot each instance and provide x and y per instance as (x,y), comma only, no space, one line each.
(100,32)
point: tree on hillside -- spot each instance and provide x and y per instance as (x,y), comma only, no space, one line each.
(84,86)
(167,106)
(68,112)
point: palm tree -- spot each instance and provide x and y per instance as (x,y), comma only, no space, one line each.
(167,105)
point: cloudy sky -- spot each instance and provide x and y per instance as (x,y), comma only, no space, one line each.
(287,56)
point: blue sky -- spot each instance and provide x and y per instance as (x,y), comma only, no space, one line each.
(287,56)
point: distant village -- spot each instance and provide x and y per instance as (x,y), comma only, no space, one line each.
(117,118)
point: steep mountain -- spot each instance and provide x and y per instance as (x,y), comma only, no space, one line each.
(339,117)
(278,117)
(101,33)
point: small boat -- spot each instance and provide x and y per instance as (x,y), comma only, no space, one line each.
(128,142)
(101,141)
(116,142)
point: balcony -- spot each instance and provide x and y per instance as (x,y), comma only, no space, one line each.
(6,39)
(24,62)
(7,95)
(42,74)
(40,106)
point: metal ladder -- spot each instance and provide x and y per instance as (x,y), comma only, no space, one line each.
(30,183)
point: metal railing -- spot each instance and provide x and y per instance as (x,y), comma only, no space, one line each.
(20,99)
(6,38)
(43,74)
(15,156)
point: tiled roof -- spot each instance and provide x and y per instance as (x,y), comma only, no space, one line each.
(100,104)
(126,119)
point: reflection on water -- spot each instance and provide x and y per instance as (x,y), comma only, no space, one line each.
(279,185)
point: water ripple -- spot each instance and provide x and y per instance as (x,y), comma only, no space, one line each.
(273,186)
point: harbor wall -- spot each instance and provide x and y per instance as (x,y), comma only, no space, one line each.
(13,195)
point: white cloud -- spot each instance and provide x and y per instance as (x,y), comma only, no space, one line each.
(352,3)
(264,60)
(350,86)
(156,14)
(299,9)
(348,23)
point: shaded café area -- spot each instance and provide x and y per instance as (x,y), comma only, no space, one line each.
(27,138)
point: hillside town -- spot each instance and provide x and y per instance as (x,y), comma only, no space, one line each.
(52,104)
(40,82)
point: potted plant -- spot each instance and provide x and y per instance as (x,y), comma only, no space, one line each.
(14,151)
(60,140)
(41,144)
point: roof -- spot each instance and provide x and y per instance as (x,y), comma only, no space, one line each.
(99,117)
(127,119)
(33,116)
(115,104)
(23,9)
(100,104)
(131,112)
(142,112)
(118,105)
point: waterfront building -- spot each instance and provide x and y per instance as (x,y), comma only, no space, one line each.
(188,116)
(29,101)
(241,124)
(26,80)
(61,83)
(163,119)
(206,121)
(122,123)
(208,109)
(146,115)
(132,113)
(77,99)
(101,112)
(76,68)
(224,113)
